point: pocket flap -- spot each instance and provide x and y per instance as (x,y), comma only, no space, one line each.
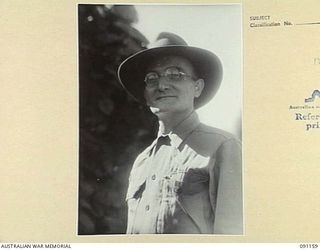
(136,187)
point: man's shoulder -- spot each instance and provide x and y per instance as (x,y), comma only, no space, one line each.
(210,138)
(209,132)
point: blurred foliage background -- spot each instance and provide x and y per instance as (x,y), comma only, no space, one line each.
(114,129)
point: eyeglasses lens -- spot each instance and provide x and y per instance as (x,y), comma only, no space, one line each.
(172,73)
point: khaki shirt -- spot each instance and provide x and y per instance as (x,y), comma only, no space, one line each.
(187,182)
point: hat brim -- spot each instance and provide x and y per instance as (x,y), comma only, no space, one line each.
(131,72)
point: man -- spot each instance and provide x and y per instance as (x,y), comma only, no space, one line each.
(188,181)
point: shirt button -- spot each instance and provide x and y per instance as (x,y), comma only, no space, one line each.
(153,177)
(147,207)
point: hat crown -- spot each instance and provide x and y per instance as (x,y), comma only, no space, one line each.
(167,39)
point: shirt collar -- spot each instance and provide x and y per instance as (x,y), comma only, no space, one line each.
(182,130)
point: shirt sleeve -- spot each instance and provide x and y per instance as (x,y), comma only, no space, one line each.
(227,182)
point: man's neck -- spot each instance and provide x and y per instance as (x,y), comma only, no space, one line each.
(168,123)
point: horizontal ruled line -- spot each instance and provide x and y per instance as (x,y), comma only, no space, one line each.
(307,23)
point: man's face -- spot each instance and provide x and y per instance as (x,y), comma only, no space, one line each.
(172,95)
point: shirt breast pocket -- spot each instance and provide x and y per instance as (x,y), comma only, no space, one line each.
(136,188)
(192,172)
(194,180)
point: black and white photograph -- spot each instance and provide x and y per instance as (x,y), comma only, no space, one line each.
(160,119)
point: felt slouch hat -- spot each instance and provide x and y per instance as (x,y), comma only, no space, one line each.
(132,71)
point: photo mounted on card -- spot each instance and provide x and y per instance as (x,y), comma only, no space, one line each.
(160,125)
(178,122)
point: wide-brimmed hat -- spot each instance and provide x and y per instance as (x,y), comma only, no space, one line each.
(207,66)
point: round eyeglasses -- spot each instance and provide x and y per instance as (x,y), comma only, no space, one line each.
(173,74)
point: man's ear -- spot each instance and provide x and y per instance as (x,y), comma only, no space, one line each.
(199,85)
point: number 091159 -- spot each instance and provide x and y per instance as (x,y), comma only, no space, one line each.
(309,245)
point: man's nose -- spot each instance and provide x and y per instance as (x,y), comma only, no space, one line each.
(163,84)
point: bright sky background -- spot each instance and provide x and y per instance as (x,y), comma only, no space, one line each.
(213,27)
